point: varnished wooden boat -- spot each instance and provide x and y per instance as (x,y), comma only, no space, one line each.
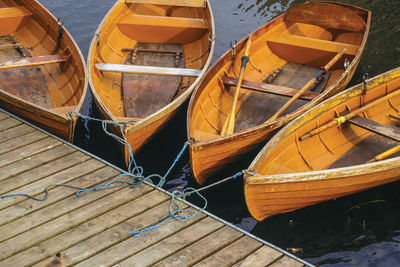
(145,60)
(42,71)
(301,166)
(298,42)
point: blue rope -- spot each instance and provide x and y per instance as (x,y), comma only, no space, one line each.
(136,177)
(176,213)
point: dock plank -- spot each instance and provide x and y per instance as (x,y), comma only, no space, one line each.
(50,212)
(106,239)
(42,171)
(63,177)
(87,178)
(14,132)
(3,116)
(203,248)
(260,258)
(48,155)
(67,221)
(21,141)
(173,243)
(287,262)
(232,253)
(91,227)
(9,123)
(28,151)
(131,246)
(92,230)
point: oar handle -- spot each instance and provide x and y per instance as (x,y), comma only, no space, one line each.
(386,154)
(229,124)
(305,87)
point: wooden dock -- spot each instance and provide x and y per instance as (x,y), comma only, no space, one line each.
(92,230)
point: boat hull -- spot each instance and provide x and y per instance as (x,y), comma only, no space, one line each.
(196,40)
(62,85)
(214,152)
(290,173)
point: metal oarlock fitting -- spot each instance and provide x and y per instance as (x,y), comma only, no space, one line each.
(233,50)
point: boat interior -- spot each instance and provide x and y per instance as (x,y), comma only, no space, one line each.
(148,53)
(370,136)
(284,55)
(35,65)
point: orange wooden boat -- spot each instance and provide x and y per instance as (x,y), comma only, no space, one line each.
(145,60)
(42,71)
(285,54)
(346,144)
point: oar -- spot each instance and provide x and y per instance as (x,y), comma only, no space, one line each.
(386,154)
(308,85)
(342,119)
(229,124)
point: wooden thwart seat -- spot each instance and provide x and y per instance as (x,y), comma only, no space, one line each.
(31,61)
(269,88)
(187,3)
(147,70)
(12,18)
(370,125)
(143,28)
(305,42)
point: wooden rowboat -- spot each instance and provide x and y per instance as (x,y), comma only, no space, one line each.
(42,71)
(145,60)
(356,130)
(285,54)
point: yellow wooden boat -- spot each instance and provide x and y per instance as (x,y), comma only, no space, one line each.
(232,111)
(346,144)
(42,71)
(145,60)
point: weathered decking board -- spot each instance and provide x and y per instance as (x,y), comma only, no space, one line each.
(92,229)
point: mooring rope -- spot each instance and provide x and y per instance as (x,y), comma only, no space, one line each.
(136,178)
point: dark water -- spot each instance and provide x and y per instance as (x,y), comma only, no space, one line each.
(359,230)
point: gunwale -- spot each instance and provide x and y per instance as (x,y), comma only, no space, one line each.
(165,113)
(361,175)
(261,132)
(59,124)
